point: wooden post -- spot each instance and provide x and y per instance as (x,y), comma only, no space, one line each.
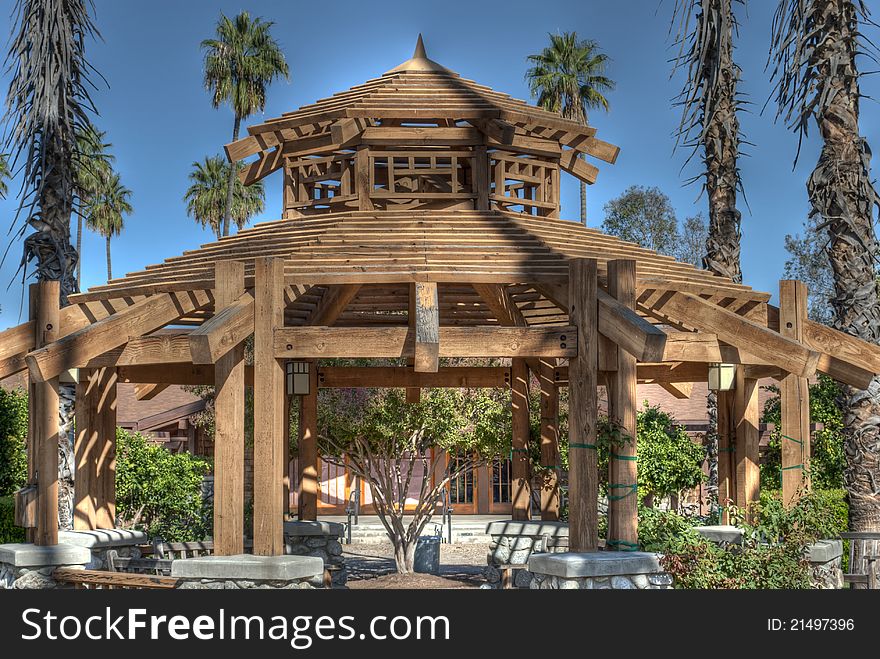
(45,423)
(362,179)
(427,330)
(583,477)
(623,509)
(308,449)
(84,450)
(481,178)
(549,440)
(520,488)
(746,417)
(33,303)
(229,423)
(268,408)
(94,450)
(288,401)
(726,450)
(413,394)
(795,396)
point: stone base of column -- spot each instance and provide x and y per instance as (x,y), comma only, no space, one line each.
(247,572)
(100,541)
(321,540)
(26,566)
(602,570)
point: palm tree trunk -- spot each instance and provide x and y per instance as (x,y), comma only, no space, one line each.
(79,235)
(109,265)
(583,196)
(841,193)
(230,183)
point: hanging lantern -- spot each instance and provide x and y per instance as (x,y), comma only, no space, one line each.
(297,378)
(722,377)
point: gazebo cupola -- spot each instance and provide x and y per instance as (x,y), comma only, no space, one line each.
(420,137)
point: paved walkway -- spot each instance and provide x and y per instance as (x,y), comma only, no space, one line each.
(462,562)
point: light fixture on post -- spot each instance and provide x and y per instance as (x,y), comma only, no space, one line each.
(722,377)
(297,378)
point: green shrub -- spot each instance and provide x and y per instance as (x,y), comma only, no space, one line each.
(13,440)
(9,532)
(827,459)
(158,491)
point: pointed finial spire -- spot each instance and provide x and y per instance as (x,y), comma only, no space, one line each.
(420,49)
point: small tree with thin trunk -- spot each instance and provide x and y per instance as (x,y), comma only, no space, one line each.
(409,453)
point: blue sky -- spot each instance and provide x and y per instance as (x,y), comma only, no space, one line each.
(160,120)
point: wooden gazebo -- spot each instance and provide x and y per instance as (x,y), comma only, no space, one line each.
(420,221)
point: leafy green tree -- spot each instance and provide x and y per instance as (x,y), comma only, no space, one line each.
(808,261)
(827,457)
(568,77)
(388,443)
(207,195)
(240,61)
(643,216)
(13,440)
(106,210)
(816,46)
(158,491)
(692,240)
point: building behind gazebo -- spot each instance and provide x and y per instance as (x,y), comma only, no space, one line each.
(420,221)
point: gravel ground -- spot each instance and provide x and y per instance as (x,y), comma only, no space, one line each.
(461,564)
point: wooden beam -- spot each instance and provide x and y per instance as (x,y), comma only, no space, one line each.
(95,450)
(456,377)
(145,350)
(376,342)
(84,344)
(679,390)
(84,448)
(502,306)
(746,419)
(184,374)
(148,391)
(571,162)
(229,326)
(583,477)
(363,185)
(549,429)
(629,330)
(673,372)
(496,129)
(732,328)
(726,453)
(268,408)
(309,478)
(622,467)
(421,136)
(520,486)
(229,415)
(344,131)
(481,178)
(333,303)
(794,396)
(45,424)
(268,162)
(426,356)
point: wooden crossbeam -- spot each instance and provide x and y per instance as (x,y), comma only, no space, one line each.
(88,342)
(421,136)
(403,377)
(679,390)
(571,162)
(732,328)
(167,374)
(225,330)
(144,350)
(426,351)
(477,341)
(496,129)
(502,306)
(618,323)
(344,131)
(267,163)
(333,303)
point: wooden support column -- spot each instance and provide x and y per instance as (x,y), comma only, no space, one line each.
(583,476)
(229,423)
(623,509)
(427,330)
(726,452)
(549,440)
(795,396)
(362,179)
(45,423)
(520,495)
(413,394)
(308,449)
(268,408)
(288,401)
(481,178)
(746,417)
(33,303)
(95,450)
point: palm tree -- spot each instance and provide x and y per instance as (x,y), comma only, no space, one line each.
(4,174)
(105,212)
(568,77)
(47,105)
(710,125)
(814,49)
(240,62)
(208,192)
(94,163)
